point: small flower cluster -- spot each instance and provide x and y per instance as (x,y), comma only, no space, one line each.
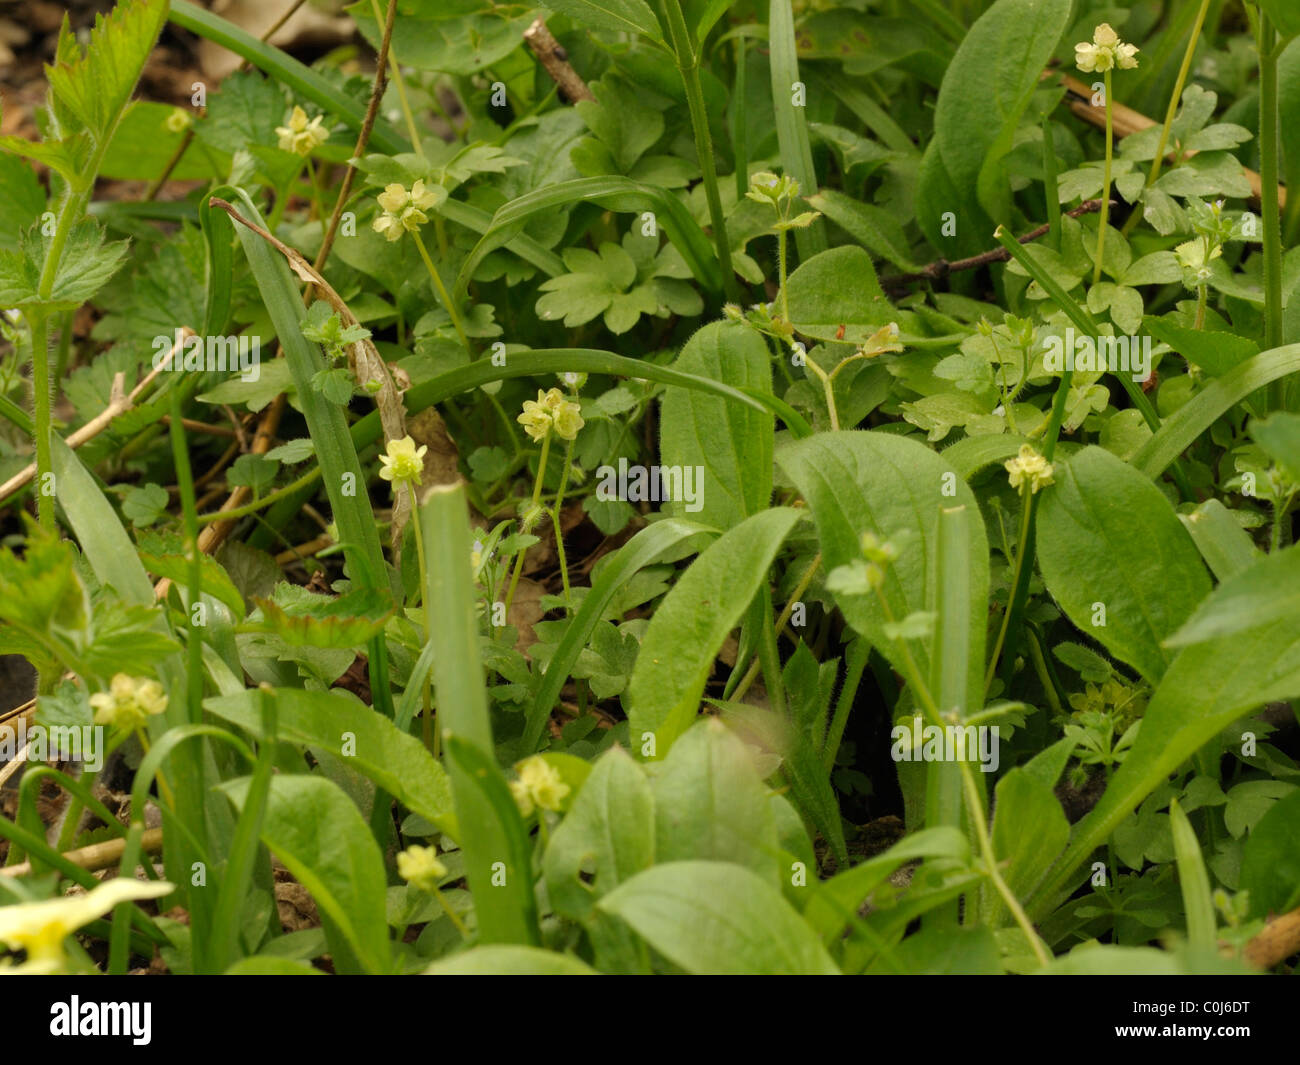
(300,136)
(403,462)
(1105,52)
(539,786)
(1029,467)
(779,193)
(403,209)
(420,867)
(129,702)
(551,412)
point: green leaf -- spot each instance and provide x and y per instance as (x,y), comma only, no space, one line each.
(1206,688)
(614,193)
(791,123)
(687,629)
(144,506)
(1193,880)
(458,38)
(1226,547)
(608,832)
(838,290)
(875,228)
(316,831)
(85,265)
(167,559)
(1284,15)
(1182,428)
(858,482)
(617,16)
(711,805)
(649,546)
(1216,353)
(510,961)
(963,170)
(713,917)
(1258,594)
(1270,863)
(95,86)
(23,202)
(490,826)
(732,445)
(340,724)
(348,621)
(1116,558)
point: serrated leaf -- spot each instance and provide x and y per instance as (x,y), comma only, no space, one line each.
(86,264)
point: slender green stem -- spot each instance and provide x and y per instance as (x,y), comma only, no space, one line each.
(189,511)
(41,411)
(974,804)
(1022,553)
(1105,190)
(752,673)
(1051,191)
(688,63)
(430,730)
(1172,109)
(441,289)
(781,235)
(555,517)
(399,84)
(1268,166)
(1202,293)
(537,499)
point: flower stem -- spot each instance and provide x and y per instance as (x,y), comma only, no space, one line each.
(1022,553)
(555,518)
(1268,166)
(537,498)
(1105,191)
(429,725)
(1201,295)
(41,409)
(441,289)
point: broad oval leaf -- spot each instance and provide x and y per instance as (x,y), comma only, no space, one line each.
(728,446)
(686,631)
(502,960)
(714,917)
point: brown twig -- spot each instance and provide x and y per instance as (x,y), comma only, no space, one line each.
(1279,939)
(555,60)
(941,268)
(96,856)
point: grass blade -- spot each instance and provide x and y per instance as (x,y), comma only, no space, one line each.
(791,126)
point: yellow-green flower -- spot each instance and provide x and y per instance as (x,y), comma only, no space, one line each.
(40,928)
(129,702)
(1105,52)
(420,867)
(403,210)
(403,461)
(1029,467)
(539,786)
(551,411)
(178,121)
(300,136)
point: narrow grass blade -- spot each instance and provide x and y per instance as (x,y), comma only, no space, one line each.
(788,93)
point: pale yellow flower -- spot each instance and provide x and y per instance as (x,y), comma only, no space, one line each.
(1191,256)
(1029,467)
(539,785)
(403,210)
(129,702)
(403,461)
(1105,52)
(420,867)
(551,411)
(178,121)
(40,928)
(300,136)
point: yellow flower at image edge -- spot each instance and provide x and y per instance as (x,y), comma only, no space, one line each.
(40,928)
(129,702)
(403,210)
(420,867)
(551,411)
(539,786)
(403,462)
(300,136)
(1029,467)
(1105,52)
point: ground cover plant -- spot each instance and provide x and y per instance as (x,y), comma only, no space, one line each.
(648,487)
